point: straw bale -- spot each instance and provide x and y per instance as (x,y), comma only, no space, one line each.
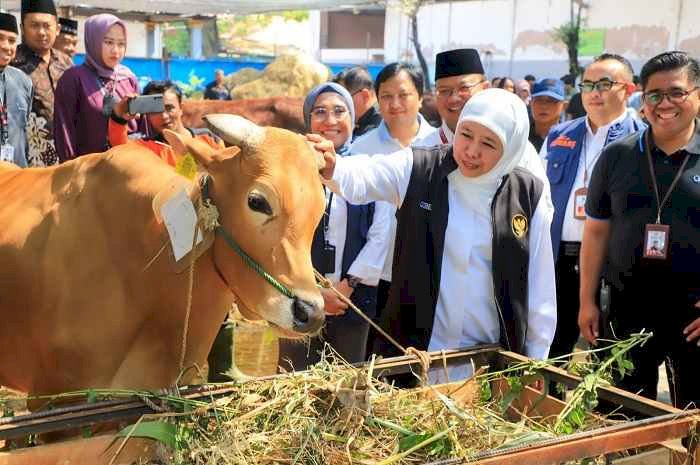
(242,76)
(289,75)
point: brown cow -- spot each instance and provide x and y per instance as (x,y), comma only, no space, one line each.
(280,112)
(80,305)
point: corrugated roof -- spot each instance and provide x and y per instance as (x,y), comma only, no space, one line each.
(202,7)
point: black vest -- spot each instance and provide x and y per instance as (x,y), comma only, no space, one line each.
(420,241)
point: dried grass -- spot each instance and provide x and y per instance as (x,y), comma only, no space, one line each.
(336,414)
(289,75)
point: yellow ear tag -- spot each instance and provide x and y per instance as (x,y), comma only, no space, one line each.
(186,167)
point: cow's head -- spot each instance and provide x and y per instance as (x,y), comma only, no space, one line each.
(270,199)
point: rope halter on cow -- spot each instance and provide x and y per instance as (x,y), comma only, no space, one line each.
(210,217)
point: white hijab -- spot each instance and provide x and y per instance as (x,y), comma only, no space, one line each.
(505,114)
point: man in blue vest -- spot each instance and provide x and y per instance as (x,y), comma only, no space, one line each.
(571,151)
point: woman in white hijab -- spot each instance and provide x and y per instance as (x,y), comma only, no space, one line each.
(473,260)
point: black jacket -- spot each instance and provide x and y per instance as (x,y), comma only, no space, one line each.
(420,241)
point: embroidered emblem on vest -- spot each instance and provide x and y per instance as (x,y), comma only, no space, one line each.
(425,205)
(563,141)
(519,225)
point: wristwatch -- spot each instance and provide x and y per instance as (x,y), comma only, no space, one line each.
(353,281)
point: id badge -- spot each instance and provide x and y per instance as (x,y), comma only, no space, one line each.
(328,258)
(580,203)
(7,153)
(656,241)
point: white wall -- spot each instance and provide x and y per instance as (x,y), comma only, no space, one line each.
(517,34)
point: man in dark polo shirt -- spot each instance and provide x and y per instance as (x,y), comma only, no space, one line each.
(643,232)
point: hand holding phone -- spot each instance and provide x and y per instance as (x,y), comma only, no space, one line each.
(143,104)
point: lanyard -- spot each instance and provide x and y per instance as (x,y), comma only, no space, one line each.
(326,216)
(584,151)
(662,202)
(4,124)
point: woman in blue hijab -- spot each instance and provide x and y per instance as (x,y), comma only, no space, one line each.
(329,112)
(349,245)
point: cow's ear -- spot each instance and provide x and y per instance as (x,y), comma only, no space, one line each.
(227,153)
(177,141)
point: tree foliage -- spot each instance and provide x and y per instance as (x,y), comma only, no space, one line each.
(569,34)
(410,8)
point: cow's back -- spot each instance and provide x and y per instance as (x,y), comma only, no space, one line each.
(281,112)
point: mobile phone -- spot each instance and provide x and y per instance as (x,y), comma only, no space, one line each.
(146,104)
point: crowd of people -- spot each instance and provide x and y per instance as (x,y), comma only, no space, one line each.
(515,222)
(533,215)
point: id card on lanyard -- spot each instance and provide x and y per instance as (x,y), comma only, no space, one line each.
(581,193)
(657,235)
(7,152)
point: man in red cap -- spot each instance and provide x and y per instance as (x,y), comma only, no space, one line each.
(15,97)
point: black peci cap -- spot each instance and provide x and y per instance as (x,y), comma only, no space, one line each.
(8,23)
(38,6)
(68,26)
(458,62)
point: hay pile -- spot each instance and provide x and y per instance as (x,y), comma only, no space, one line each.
(242,76)
(289,75)
(336,414)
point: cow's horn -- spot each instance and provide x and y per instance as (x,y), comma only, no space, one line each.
(235,130)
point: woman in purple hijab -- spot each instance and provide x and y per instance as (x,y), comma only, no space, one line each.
(86,93)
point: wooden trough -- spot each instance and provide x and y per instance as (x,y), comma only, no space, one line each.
(655,437)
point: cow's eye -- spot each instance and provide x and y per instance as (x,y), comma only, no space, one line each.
(258,203)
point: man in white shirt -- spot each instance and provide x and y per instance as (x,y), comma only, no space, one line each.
(571,151)
(459,74)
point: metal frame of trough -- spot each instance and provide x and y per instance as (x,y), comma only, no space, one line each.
(664,422)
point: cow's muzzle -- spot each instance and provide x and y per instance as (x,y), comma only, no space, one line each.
(308,318)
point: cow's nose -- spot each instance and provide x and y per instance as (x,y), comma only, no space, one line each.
(307,318)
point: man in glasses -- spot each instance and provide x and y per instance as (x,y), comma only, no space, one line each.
(643,232)
(571,151)
(459,74)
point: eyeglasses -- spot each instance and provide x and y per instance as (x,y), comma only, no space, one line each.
(677,96)
(462,91)
(322,113)
(604,85)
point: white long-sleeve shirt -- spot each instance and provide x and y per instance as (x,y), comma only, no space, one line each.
(369,263)
(380,141)
(466,313)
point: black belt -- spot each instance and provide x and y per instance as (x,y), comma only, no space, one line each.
(569,249)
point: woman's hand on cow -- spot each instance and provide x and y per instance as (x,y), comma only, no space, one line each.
(332,304)
(121,108)
(325,148)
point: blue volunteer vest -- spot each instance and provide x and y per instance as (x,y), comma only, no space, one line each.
(564,143)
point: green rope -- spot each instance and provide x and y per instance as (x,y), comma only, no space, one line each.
(253,264)
(204,185)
